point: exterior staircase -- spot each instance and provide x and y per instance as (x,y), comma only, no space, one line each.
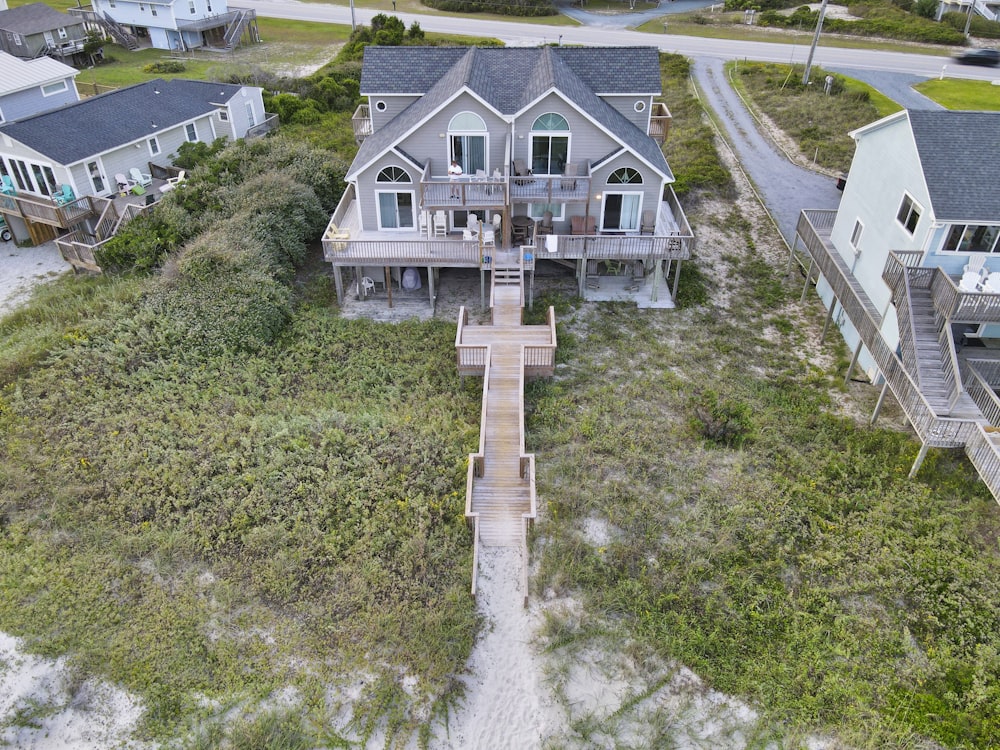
(245,20)
(118,32)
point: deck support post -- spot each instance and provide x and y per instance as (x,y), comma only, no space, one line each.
(358,273)
(388,285)
(805,287)
(829,319)
(430,286)
(482,286)
(791,252)
(581,275)
(854,361)
(531,288)
(338,283)
(878,404)
(919,460)
(677,278)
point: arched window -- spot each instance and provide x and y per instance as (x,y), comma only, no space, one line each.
(393,174)
(625,176)
(549,144)
(467,139)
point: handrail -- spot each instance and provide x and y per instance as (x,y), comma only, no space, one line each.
(959,306)
(942,432)
(475,469)
(475,553)
(982,377)
(265,126)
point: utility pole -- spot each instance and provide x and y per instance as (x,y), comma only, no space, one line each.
(968,17)
(812,49)
(354,26)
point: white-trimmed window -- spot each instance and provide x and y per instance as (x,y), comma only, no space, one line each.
(549,144)
(625,176)
(537,210)
(621,212)
(61,32)
(251,120)
(223,114)
(909,213)
(17,39)
(152,10)
(53,88)
(394,174)
(97,178)
(190,132)
(468,142)
(396,208)
(1,115)
(856,233)
(111,4)
(380,106)
(973,238)
(191,7)
(208,5)
(640,106)
(154,146)
(142,7)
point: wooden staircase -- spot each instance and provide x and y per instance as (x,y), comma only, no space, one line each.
(500,496)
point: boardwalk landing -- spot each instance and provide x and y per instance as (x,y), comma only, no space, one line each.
(500,496)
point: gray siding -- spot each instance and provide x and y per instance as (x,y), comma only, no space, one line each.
(587,142)
(427,143)
(31,101)
(393,106)
(651,187)
(367,187)
(238,122)
(627,104)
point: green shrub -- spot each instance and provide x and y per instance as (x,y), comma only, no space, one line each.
(721,420)
(164,66)
(980,27)
(516,8)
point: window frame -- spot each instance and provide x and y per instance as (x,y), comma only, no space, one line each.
(153,144)
(396,193)
(912,208)
(538,134)
(536,211)
(959,250)
(189,129)
(53,92)
(638,211)
(856,234)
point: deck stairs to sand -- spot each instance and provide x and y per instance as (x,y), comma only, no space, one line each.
(500,496)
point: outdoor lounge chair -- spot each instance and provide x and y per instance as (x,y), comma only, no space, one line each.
(648,225)
(122,182)
(64,195)
(570,170)
(6,185)
(545,225)
(173,182)
(140,178)
(580,225)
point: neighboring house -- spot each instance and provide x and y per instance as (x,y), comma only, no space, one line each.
(571,132)
(988,9)
(28,87)
(909,267)
(35,30)
(173,24)
(86,143)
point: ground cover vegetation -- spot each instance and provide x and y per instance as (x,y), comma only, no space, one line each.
(733,519)
(214,487)
(956,93)
(502,7)
(817,121)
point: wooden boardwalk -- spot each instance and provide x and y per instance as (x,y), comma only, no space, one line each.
(500,497)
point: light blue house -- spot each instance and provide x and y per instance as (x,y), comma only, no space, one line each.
(173,24)
(28,87)
(909,269)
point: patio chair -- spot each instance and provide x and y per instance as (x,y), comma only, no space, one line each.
(64,195)
(367,286)
(570,170)
(992,283)
(545,225)
(489,238)
(140,178)
(472,222)
(468,236)
(7,186)
(173,182)
(422,223)
(648,224)
(440,224)
(123,186)
(971,281)
(521,170)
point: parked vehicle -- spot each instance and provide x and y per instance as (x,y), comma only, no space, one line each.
(988,57)
(5,234)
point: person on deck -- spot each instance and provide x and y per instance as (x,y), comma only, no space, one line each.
(454,172)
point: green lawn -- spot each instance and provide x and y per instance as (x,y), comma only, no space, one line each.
(956,93)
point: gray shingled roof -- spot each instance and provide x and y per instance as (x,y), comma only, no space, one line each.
(101,123)
(960,156)
(509,79)
(34,19)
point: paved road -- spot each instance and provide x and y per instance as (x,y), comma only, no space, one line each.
(526,34)
(785,187)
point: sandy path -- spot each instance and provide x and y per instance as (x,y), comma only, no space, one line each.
(21,268)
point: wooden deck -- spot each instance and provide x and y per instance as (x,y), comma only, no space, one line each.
(500,493)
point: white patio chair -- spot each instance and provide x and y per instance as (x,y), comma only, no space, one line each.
(992,283)
(976,264)
(489,238)
(440,224)
(467,235)
(971,281)
(367,286)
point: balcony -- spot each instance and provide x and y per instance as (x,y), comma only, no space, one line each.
(362,122)
(261,129)
(470,193)
(659,122)
(950,301)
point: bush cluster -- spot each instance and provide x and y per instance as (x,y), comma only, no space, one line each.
(980,27)
(516,8)
(880,21)
(164,66)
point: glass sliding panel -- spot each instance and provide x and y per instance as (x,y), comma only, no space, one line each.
(36,170)
(630,211)
(470,152)
(404,210)
(387,211)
